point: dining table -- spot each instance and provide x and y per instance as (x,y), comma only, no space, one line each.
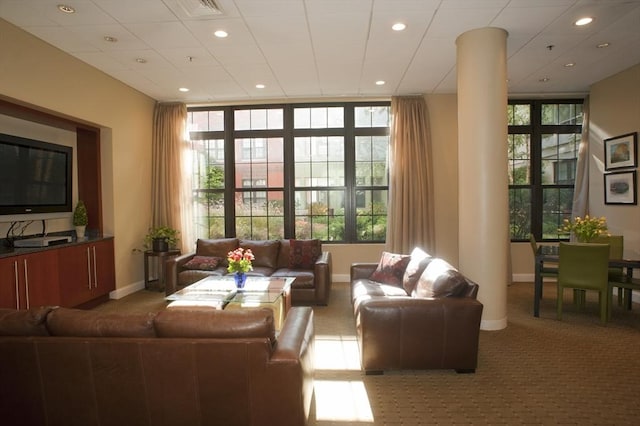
(549,254)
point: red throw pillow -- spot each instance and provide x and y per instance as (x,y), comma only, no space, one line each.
(391,268)
(304,253)
(203,263)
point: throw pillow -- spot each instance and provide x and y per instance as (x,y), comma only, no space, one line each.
(391,268)
(304,253)
(440,279)
(419,261)
(203,263)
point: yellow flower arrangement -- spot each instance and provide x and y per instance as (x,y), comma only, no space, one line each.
(585,229)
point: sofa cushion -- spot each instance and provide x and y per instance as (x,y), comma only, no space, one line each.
(391,268)
(304,253)
(419,261)
(203,263)
(440,279)
(216,248)
(204,322)
(29,322)
(265,252)
(81,323)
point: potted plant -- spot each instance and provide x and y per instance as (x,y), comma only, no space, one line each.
(80,219)
(161,238)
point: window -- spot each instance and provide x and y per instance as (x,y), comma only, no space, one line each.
(303,171)
(543,143)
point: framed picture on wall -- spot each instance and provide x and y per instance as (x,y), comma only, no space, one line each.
(620,188)
(621,151)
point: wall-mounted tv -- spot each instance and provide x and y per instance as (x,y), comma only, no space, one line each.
(35,178)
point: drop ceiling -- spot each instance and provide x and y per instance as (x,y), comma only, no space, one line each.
(308,49)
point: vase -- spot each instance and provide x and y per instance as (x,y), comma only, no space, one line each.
(160,244)
(240,278)
(80,229)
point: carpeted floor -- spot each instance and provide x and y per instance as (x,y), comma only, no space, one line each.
(537,371)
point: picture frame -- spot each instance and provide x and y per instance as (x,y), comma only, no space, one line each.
(620,188)
(621,151)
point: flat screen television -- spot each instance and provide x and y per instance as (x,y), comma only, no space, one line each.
(35,178)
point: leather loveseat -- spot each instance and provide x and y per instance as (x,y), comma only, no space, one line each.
(415,312)
(302,259)
(197,366)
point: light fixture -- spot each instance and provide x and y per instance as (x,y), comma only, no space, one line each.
(399,26)
(110,39)
(221,34)
(544,79)
(66,8)
(260,86)
(603,45)
(584,21)
(570,65)
(183,89)
(380,83)
(141,60)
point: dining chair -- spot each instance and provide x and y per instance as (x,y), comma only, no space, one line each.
(545,271)
(616,251)
(584,266)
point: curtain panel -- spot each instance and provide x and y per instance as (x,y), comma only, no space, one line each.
(170,196)
(410,221)
(580,205)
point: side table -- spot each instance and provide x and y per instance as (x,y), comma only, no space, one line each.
(157,284)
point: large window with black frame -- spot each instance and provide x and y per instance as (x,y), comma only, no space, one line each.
(291,171)
(544,140)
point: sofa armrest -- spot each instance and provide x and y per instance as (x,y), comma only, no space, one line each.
(295,345)
(407,332)
(362,270)
(322,278)
(173,267)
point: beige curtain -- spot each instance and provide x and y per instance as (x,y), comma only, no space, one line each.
(581,187)
(410,220)
(171,191)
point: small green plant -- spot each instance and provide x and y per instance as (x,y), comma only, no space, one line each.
(170,235)
(80,217)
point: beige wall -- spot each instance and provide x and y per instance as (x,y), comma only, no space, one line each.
(615,110)
(37,74)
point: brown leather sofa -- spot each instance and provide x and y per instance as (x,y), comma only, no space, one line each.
(178,367)
(427,318)
(272,258)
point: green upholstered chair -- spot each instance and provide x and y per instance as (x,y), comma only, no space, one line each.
(547,271)
(584,266)
(616,251)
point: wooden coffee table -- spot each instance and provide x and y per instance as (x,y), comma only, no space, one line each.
(220,292)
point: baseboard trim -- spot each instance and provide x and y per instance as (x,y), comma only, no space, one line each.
(119,293)
(341,278)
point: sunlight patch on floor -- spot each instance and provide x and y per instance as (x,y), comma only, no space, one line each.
(337,353)
(342,401)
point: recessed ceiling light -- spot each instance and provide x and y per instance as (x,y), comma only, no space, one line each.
(260,86)
(66,8)
(110,39)
(584,21)
(380,83)
(141,60)
(221,34)
(398,26)
(544,79)
(603,45)
(570,64)
(183,89)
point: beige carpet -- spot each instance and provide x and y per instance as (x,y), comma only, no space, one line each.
(537,371)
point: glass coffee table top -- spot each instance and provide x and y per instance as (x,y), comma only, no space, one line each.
(257,290)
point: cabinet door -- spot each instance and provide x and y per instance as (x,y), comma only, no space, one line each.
(75,282)
(103,274)
(8,282)
(40,278)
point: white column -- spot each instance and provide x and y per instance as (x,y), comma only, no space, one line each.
(483,197)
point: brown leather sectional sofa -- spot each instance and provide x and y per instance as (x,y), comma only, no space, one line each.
(177,367)
(427,318)
(272,258)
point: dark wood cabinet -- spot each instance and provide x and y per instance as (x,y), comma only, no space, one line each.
(75,275)
(86,272)
(29,280)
